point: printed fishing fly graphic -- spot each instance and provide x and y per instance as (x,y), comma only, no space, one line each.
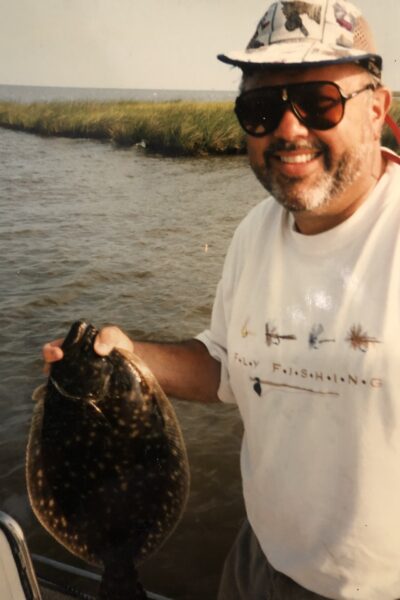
(314,339)
(245,331)
(298,375)
(274,338)
(359,340)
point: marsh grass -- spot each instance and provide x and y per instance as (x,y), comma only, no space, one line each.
(172,128)
(177,128)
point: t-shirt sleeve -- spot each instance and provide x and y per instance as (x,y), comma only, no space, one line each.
(215,338)
(215,341)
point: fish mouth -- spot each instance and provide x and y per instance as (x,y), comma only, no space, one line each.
(80,332)
(81,374)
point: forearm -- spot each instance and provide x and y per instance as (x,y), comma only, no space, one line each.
(184,369)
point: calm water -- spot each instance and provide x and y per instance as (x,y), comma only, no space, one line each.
(117,236)
(26,93)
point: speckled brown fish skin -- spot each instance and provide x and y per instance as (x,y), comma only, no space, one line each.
(107,469)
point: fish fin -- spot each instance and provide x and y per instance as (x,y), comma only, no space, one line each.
(39,392)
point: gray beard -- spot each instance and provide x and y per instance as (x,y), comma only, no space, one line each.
(292,194)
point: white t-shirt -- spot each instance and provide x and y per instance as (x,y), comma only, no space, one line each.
(307,329)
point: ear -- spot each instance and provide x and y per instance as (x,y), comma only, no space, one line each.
(381,102)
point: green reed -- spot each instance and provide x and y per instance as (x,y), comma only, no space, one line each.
(172,128)
(178,128)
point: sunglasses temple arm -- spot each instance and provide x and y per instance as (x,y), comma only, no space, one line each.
(394,127)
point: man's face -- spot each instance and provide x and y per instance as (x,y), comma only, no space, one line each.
(311,170)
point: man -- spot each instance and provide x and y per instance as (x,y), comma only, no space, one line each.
(305,325)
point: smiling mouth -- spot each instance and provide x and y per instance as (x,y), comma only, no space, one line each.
(296,159)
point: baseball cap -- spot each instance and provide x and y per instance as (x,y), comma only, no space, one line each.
(309,33)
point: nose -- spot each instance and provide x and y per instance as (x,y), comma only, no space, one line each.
(289,126)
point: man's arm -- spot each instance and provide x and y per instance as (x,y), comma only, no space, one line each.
(184,370)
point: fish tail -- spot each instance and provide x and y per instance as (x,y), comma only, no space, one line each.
(120,581)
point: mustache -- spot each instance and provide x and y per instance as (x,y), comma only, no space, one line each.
(282,145)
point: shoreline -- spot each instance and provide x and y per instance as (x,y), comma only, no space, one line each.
(170,128)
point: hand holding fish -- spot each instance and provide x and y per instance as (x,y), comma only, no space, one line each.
(109,337)
(184,369)
(112,337)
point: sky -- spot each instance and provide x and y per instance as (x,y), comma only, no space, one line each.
(148,44)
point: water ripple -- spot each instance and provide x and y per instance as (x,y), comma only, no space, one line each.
(117,237)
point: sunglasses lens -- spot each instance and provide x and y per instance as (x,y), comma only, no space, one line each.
(318,105)
(259,111)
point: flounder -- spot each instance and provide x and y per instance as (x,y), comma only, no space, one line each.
(107,469)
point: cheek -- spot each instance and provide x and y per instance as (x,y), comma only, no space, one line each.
(256,148)
(336,142)
(356,125)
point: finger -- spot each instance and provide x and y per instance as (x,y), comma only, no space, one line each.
(111,337)
(46,369)
(52,351)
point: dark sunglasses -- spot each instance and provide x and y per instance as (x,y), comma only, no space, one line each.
(317,104)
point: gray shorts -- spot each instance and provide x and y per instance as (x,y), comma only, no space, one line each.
(247,574)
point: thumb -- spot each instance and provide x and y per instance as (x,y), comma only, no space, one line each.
(111,337)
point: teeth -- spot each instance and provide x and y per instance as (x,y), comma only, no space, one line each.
(298,158)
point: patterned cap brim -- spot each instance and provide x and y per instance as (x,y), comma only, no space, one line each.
(283,56)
